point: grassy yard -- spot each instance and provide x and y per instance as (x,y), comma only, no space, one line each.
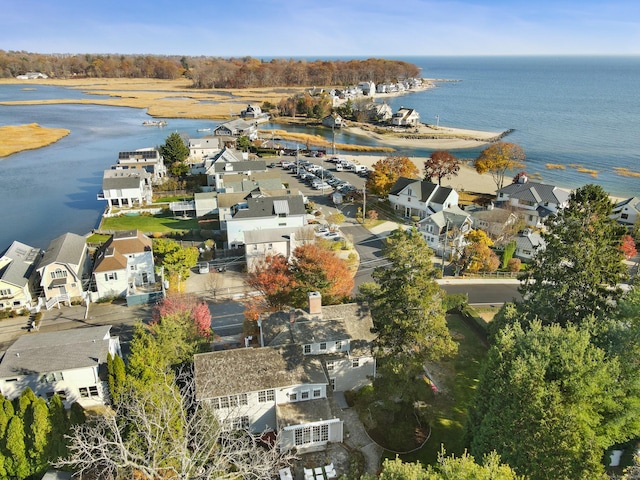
(146,223)
(446,410)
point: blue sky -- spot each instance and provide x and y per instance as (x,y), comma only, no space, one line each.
(285,28)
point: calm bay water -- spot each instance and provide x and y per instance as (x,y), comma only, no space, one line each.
(564,110)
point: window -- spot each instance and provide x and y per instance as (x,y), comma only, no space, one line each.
(339,345)
(304,395)
(86,392)
(133,268)
(266,396)
(330,365)
(255,247)
(62,394)
(293,397)
(307,349)
(237,423)
(215,403)
(332,383)
(9,380)
(5,292)
(355,362)
(51,377)
(224,402)
(59,273)
(317,393)
(270,246)
(317,433)
(110,276)
(323,346)
(624,216)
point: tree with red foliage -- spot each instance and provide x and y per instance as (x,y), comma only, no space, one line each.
(628,247)
(189,308)
(317,270)
(441,164)
(272,278)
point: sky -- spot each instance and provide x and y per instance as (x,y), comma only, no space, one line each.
(322,28)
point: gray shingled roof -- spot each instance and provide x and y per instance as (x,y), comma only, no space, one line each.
(264,207)
(243,370)
(23,259)
(240,166)
(535,192)
(67,248)
(400,184)
(119,179)
(56,351)
(268,235)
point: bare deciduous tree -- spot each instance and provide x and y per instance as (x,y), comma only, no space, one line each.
(160,431)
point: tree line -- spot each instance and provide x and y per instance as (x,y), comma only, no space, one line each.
(208,72)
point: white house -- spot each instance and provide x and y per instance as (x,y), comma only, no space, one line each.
(148,159)
(71,363)
(367,88)
(535,201)
(494,221)
(451,224)
(273,241)
(333,121)
(123,263)
(204,147)
(405,117)
(64,271)
(230,162)
(265,213)
(236,128)
(17,264)
(253,112)
(627,212)
(528,244)
(126,188)
(411,197)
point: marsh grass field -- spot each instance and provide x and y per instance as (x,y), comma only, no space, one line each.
(16,138)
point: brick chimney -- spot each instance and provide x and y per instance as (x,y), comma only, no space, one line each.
(315,303)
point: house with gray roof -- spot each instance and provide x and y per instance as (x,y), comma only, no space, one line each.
(420,198)
(265,212)
(535,201)
(71,363)
(284,384)
(528,244)
(496,222)
(17,265)
(126,188)
(228,162)
(445,231)
(627,212)
(273,241)
(237,128)
(406,117)
(148,159)
(64,271)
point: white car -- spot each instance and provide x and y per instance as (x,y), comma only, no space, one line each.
(321,186)
(203,267)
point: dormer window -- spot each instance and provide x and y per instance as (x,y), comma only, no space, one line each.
(307,349)
(323,346)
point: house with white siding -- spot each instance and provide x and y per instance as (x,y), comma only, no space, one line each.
(126,188)
(71,363)
(148,159)
(444,231)
(421,198)
(627,212)
(17,265)
(406,117)
(122,264)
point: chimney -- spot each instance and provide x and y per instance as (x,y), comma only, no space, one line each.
(292,315)
(315,303)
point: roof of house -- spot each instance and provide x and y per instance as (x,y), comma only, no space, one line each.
(489,215)
(299,413)
(268,235)
(110,260)
(535,192)
(118,179)
(17,263)
(271,206)
(528,240)
(428,191)
(400,184)
(56,351)
(68,248)
(633,202)
(227,200)
(242,370)
(455,215)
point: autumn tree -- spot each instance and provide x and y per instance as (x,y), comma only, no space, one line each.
(272,278)
(315,269)
(176,259)
(579,272)
(441,164)
(628,247)
(477,255)
(499,158)
(174,150)
(387,171)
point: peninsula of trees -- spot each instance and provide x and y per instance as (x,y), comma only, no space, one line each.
(208,72)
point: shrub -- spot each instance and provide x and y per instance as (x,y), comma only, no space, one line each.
(514,265)
(455,301)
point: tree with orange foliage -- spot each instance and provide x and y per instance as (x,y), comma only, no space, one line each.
(498,158)
(387,171)
(477,256)
(317,270)
(628,247)
(441,164)
(272,278)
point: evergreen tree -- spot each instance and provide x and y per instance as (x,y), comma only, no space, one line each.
(77,416)
(59,421)
(16,464)
(174,150)
(579,272)
(37,428)
(116,376)
(507,254)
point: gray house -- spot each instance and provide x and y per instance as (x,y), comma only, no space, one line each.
(17,264)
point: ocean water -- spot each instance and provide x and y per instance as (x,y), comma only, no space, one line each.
(564,110)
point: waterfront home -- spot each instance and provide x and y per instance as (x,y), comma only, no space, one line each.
(378,112)
(285,384)
(254,112)
(71,363)
(406,117)
(367,88)
(420,198)
(230,162)
(123,264)
(627,212)
(265,212)
(126,188)
(445,231)
(534,201)
(148,159)
(17,264)
(494,221)
(528,244)
(236,128)
(64,271)
(333,121)
(272,242)
(202,148)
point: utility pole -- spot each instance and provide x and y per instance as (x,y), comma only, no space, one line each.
(364,203)
(444,245)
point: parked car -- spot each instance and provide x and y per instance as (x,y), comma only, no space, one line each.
(203,267)
(321,186)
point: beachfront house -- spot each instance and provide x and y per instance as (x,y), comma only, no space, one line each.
(420,198)
(71,363)
(126,188)
(445,231)
(406,117)
(333,121)
(123,264)
(202,148)
(528,244)
(148,159)
(494,221)
(265,213)
(236,128)
(534,201)
(367,88)
(378,112)
(64,271)
(17,264)
(627,212)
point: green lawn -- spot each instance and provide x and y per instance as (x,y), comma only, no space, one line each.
(144,223)
(447,410)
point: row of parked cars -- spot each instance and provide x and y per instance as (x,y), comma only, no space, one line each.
(317,177)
